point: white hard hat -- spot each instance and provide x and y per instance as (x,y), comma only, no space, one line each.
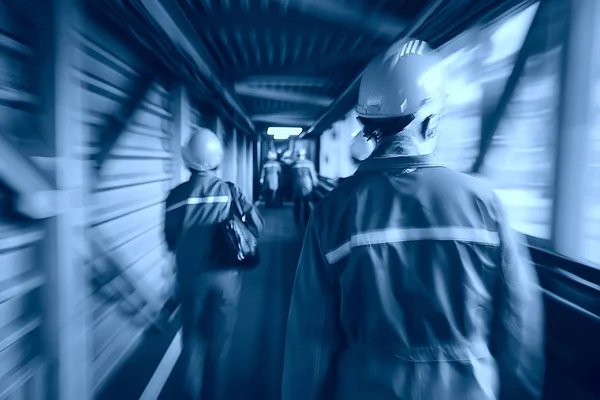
(361,148)
(301,152)
(272,155)
(203,152)
(402,82)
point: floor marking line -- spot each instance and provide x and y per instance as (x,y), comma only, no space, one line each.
(164,369)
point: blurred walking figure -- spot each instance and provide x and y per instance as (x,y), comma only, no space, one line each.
(411,283)
(208,291)
(305,179)
(270,179)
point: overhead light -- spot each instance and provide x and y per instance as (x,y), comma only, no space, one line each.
(282,133)
(284,130)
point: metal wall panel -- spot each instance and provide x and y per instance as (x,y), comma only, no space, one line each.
(231,154)
(242,159)
(128,256)
(196,118)
(21,277)
(249,167)
(21,280)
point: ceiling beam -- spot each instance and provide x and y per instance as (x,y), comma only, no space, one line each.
(305,68)
(276,22)
(280,95)
(340,13)
(287,115)
(340,105)
(282,80)
(169,16)
(293,120)
(340,64)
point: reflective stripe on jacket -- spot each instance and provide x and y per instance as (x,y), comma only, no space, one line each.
(206,199)
(305,177)
(270,174)
(411,285)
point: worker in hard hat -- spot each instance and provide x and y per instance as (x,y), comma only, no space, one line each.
(305,180)
(411,284)
(208,291)
(270,178)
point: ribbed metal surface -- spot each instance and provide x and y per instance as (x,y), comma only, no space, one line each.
(230,140)
(319,45)
(21,275)
(460,128)
(129,259)
(520,163)
(21,280)
(196,118)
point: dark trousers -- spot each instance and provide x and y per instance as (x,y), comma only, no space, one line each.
(302,210)
(209,311)
(272,198)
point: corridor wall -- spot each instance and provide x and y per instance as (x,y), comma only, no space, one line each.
(22,276)
(128,257)
(113,162)
(334,158)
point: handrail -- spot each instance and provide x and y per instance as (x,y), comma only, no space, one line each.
(554,260)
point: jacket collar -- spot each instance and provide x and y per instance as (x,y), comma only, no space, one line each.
(199,174)
(398,162)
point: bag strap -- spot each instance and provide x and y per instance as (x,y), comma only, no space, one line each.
(234,204)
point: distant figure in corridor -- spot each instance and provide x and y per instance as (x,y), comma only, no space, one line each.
(411,284)
(270,178)
(208,291)
(305,179)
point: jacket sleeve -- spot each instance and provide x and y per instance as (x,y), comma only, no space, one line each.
(518,332)
(262,175)
(312,326)
(256,221)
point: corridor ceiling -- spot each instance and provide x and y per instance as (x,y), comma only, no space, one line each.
(293,62)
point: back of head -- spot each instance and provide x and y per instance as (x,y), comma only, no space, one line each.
(203,152)
(402,92)
(271,155)
(301,154)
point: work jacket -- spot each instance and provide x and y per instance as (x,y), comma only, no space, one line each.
(193,212)
(270,175)
(305,177)
(411,285)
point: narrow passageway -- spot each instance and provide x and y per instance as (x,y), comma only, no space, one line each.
(257,352)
